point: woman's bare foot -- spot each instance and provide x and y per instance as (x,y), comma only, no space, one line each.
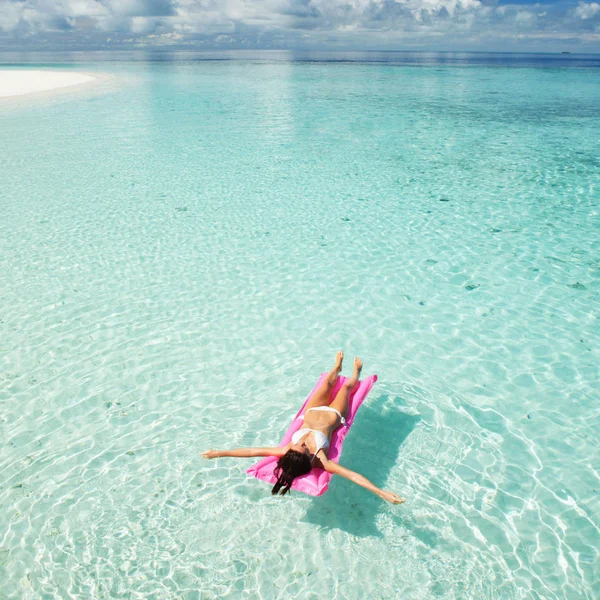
(332,376)
(356,374)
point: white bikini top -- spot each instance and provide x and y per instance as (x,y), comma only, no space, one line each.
(320,438)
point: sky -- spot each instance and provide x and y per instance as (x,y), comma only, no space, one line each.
(455,25)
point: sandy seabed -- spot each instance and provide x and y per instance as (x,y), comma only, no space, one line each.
(21,82)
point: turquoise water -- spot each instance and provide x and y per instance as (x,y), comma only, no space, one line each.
(183,251)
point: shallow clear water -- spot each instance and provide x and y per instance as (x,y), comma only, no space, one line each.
(182,253)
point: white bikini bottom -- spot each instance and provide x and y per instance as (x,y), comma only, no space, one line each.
(326,408)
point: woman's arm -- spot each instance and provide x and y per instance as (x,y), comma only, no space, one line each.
(246,452)
(333,467)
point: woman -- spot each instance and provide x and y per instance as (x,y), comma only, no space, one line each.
(310,444)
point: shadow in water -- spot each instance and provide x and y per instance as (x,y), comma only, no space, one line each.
(371,449)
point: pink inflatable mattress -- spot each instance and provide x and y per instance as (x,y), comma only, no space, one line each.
(317,481)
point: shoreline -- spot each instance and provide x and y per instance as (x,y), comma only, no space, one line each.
(24,82)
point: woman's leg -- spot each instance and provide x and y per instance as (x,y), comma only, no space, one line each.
(340,401)
(322,396)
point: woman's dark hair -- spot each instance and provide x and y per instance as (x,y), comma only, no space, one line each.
(291,465)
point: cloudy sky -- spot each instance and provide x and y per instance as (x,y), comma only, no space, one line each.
(564,25)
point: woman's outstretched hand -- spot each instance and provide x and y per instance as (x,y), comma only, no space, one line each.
(210,454)
(391,497)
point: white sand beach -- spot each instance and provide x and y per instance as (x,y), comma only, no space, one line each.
(22,82)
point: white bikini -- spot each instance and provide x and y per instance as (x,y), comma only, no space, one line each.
(321,440)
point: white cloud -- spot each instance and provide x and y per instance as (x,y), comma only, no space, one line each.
(286,23)
(525,17)
(10,15)
(587,11)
